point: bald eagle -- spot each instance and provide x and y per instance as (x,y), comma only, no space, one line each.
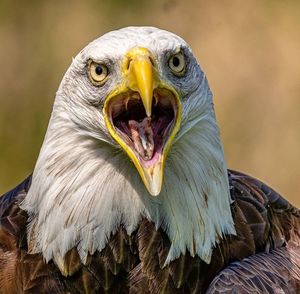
(131,193)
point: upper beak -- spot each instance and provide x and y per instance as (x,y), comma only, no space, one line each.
(139,75)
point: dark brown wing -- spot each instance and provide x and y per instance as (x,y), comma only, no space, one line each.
(274,272)
(273,221)
(12,196)
(12,219)
(275,228)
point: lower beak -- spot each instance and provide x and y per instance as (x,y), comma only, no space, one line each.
(143,115)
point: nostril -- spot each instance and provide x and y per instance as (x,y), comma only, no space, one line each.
(128,63)
(151,60)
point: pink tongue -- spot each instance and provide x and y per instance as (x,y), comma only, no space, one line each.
(142,136)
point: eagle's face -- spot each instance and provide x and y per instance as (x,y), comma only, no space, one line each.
(131,86)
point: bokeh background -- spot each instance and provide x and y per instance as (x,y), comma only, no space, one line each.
(250,51)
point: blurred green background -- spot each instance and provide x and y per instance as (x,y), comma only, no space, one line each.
(250,51)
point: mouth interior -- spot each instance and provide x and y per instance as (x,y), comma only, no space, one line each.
(146,136)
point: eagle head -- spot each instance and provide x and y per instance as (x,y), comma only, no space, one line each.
(133,118)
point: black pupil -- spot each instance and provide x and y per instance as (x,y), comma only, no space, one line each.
(99,70)
(176,61)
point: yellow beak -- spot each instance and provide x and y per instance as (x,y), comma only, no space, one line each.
(139,76)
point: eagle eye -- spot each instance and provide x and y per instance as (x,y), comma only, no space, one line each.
(97,73)
(177,63)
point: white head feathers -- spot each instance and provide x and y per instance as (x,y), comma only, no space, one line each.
(84,186)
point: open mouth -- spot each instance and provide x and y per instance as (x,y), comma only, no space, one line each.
(145,136)
(143,115)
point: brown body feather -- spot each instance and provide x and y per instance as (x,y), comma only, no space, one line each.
(264,256)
